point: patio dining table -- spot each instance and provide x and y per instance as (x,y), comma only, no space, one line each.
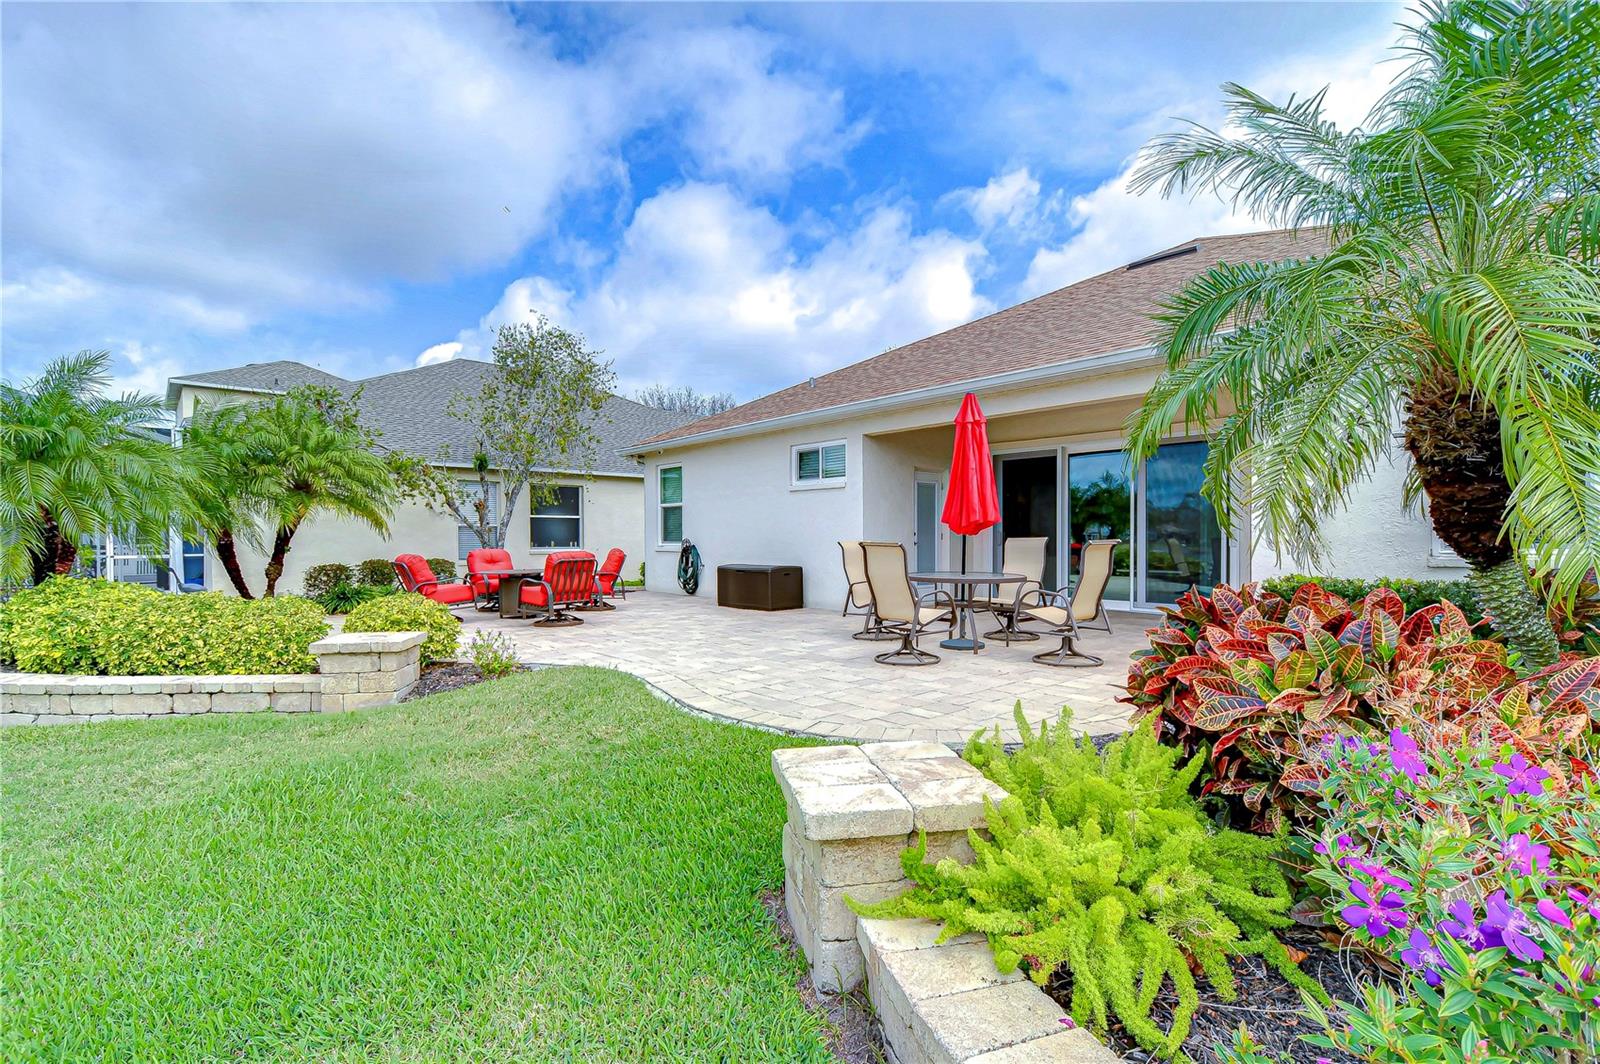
(964,585)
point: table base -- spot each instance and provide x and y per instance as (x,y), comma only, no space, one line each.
(962,644)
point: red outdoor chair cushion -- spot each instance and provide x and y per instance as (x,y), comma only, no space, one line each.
(611,571)
(486,558)
(535,595)
(416,576)
(567,585)
(449,594)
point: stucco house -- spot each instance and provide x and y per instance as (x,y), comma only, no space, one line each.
(595,512)
(863,453)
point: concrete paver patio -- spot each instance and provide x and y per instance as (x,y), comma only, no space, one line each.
(799,671)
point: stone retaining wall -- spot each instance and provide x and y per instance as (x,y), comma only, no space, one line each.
(852,811)
(356,670)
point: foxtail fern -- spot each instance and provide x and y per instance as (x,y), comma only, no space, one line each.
(1102,863)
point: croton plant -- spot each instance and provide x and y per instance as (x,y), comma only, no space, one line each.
(1261,682)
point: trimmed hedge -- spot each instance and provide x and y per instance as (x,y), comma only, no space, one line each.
(376,572)
(321,579)
(97,627)
(1414,593)
(407,612)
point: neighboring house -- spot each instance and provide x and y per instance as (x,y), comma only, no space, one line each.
(864,453)
(594,512)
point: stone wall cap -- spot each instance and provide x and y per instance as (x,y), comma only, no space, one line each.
(850,811)
(368,642)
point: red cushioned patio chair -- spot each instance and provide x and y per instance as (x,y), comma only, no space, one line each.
(483,565)
(610,575)
(415,575)
(568,584)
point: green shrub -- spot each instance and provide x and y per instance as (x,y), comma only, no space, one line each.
(407,612)
(493,654)
(344,597)
(69,625)
(376,572)
(443,568)
(1104,865)
(321,579)
(1414,593)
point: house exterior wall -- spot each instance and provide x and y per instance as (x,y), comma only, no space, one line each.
(611,508)
(739,505)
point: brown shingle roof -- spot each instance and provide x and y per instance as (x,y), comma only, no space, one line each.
(1100,315)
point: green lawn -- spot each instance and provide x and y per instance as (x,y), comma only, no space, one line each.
(556,866)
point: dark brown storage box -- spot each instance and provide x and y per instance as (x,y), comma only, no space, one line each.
(760,587)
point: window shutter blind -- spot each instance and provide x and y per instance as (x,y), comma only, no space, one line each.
(466,537)
(808,464)
(672,485)
(833,461)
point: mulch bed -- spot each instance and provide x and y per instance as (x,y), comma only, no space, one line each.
(446,676)
(853,1032)
(1267,1003)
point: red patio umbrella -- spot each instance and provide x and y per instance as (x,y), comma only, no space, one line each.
(972,504)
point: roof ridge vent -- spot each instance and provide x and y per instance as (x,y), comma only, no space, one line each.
(1163,256)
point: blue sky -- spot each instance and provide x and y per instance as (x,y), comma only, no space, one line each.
(724,196)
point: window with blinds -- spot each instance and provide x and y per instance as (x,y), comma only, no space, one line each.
(817,465)
(466,537)
(669,480)
(558,524)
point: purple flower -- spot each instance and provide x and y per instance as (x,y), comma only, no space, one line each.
(1526,856)
(1589,902)
(1340,845)
(1377,872)
(1509,925)
(1378,912)
(1463,924)
(1522,776)
(1405,756)
(1554,913)
(1424,956)
(1069,1023)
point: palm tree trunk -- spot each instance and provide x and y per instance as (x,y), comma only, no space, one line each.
(228,555)
(59,554)
(280,548)
(1454,441)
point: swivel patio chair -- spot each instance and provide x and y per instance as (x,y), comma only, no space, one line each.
(415,575)
(1025,555)
(609,575)
(900,611)
(567,584)
(859,593)
(1068,617)
(482,567)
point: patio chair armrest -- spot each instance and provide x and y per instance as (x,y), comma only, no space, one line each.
(948,603)
(1045,598)
(1023,589)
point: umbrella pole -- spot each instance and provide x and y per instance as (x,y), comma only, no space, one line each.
(964,614)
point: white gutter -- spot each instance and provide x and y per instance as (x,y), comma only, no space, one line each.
(1111,361)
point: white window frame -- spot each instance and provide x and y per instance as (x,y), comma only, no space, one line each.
(821,483)
(661,507)
(534,515)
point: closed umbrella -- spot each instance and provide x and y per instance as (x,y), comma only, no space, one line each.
(972,504)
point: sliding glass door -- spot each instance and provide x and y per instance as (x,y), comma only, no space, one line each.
(1170,536)
(1099,506)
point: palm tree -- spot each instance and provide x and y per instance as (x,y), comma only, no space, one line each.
(76,463)
(1458,298)
(311,455)
(227,485)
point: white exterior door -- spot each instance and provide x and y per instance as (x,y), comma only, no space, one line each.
(925,533)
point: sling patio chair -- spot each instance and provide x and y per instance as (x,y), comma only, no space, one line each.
(609,576)
(1068,617)
(900,611)
(1025,555)
(567,584)
(859,594)
(483,568)
(416,575)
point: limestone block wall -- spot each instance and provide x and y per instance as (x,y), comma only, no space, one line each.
(366,669)
(852,811)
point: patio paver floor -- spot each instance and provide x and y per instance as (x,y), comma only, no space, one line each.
(799,671)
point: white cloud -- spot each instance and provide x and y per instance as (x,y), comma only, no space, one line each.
(1113,226)
(1011,199)
(439,353)
(705,290)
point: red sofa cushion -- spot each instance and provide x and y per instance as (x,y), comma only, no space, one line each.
(487,558)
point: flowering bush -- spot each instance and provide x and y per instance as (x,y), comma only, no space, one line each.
(1258,683)
(1477,872)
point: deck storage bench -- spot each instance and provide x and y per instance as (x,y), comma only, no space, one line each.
(760,587)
